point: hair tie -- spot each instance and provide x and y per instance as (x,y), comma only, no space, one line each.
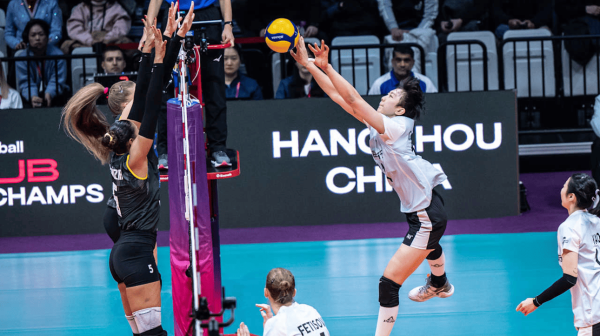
(106,92)
(596,199)
(110,136)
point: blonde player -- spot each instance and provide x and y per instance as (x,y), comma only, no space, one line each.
(287,317)
(411,176)
(578,255)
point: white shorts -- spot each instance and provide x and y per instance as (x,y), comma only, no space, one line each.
(589,331)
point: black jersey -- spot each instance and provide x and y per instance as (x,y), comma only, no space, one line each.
(137,199)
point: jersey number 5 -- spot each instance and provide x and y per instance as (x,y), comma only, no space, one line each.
(116,200)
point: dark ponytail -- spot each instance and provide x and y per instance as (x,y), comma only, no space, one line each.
(413,99)
(584,188)
(281,285)
(118,135)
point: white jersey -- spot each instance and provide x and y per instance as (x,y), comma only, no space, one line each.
(412,177)
(296,320)
(580,233)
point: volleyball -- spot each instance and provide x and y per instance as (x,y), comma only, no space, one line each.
(281,35)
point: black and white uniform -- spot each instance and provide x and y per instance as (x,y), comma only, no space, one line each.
(413,179)
(137,202)
(580,233)
(296,320)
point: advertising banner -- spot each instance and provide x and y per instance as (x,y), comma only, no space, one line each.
(49,183)
(307,162)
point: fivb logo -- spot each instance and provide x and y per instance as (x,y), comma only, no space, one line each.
(17,147)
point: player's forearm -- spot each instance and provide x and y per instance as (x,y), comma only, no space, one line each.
(322,79)
(345,89)
(226,10)
(153,9)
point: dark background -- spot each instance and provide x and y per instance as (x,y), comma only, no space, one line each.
(292,191)
(284,191)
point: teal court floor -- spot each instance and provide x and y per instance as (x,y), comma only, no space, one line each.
(73,293)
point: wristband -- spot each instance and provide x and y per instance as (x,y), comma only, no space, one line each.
(535,302)
(228,22)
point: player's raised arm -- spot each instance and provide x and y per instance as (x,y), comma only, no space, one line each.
(301,56)
(359,106)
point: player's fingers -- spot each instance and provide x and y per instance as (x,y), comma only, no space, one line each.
(519,306)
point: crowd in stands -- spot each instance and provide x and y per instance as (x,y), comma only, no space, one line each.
(51,27)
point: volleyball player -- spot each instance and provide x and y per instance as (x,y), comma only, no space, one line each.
(283,316)
(412,178)
(135,189)
(578,255)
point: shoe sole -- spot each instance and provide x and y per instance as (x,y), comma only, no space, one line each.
(442,295)
(223,164)
(163,167)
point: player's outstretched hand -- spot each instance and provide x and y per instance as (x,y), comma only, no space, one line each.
(150,38)
(526,307)
(187,22)
(265,312)
(173,21)
(159,46)
(301,56)
(243,330)
(321,54)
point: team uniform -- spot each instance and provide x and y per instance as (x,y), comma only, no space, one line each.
(580,233)
(137,202)
(296,320)
(413,179)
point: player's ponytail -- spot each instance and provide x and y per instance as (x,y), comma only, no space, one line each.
(586,191)
(413,99)
(281,285)
(118,135)
(85,123)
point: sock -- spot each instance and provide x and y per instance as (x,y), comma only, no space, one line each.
(132,324)
(386,320)
(438,281)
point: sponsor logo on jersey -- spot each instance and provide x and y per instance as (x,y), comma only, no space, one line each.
(17,147)
(596,238)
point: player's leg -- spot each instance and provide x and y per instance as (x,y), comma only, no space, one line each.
(404,262)
(114,255)
(138,268)
(436,284)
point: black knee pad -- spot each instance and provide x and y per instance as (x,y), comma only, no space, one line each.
(158,331)
(435,254)
(388,293)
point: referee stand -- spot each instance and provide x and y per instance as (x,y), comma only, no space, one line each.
(198,297)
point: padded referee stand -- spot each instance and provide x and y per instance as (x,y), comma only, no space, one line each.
(208,256)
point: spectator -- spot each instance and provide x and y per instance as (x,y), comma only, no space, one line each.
(47,78)
(595,123)
(402,64)
(91,22)
(518,14)
(283,316)
(19,12)
(9,98)
(351,17)
(300,84)
(113,60)
(461,15)
(410,21)
(579,17)
(238,86)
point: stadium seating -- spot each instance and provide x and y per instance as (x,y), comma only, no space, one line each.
(77,68)
(341,60)
(577,72)
(2,18)
(541,69)
(476,70)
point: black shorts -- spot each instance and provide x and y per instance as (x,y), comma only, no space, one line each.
(132,259)
(426,227)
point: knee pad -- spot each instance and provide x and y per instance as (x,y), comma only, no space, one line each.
(147,319)
(435,254)
(158,331)
(388,293)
